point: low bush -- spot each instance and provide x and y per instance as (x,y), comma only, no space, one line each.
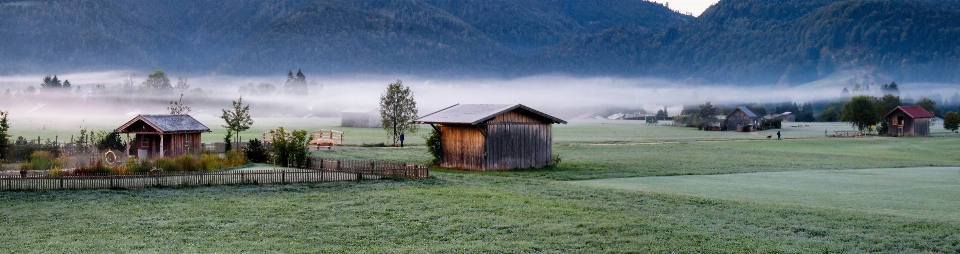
(94,167)
(44,160)
(139,166)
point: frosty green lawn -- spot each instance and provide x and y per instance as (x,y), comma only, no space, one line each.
(929,192)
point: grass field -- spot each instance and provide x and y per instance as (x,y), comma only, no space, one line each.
(911,192)
(546,210)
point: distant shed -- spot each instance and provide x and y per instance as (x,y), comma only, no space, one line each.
(163,135)
(742,119)
(493,136)
(360,118)
(909,121)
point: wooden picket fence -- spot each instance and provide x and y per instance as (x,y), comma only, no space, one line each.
(321,170)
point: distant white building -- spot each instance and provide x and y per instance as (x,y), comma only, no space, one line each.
(360,118)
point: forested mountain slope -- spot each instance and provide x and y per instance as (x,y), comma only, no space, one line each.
(783,41)
(734,41)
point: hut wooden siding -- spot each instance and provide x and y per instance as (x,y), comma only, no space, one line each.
(462,147)
(515,140)
(173,144)
(502,137)
(909,121)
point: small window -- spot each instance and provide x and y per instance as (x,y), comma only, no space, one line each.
(143,142)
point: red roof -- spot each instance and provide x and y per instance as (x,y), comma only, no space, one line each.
(912,111)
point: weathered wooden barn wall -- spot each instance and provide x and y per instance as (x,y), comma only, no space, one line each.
(515,140)
(921,127)
(360,119)
(737,119)
(462,147)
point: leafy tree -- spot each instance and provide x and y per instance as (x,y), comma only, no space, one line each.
(951,121)
(397,110)
(237,119)
(177,107)
(860,112)
(708,114)
(296,85)
(929,104)
(4,135)
(845,95)
(157,81)
(182,85)
(884,105)
(830,113)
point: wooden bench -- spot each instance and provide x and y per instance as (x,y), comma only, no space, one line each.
(848,134)
(326,138)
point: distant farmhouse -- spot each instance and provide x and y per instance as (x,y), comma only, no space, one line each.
(360,118)
(493,136)
(909,121)
(785,117)
(163,135)
(742,119)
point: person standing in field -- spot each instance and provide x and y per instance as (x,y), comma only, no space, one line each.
(401,139)
(778,135)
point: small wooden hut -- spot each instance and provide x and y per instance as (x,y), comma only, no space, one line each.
(163,135)
(493,136)
(360,118)
(909,121)
(742,119)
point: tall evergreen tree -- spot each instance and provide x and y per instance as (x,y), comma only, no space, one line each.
(296,85)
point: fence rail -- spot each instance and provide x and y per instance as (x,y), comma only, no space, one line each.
(321,170)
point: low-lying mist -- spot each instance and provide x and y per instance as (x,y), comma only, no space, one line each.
(560,95)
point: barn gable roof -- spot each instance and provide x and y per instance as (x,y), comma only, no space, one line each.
(167,124)
(745,111)
(474,114)
(912,111)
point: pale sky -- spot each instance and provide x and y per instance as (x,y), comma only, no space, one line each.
(695,7)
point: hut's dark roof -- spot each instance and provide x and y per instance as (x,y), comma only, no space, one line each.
(474,114)
(168,123)
(747,111)
(912,111)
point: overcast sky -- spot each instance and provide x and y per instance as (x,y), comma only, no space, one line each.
(693,6)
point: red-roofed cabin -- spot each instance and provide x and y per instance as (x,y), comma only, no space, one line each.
(909,121)
(163,135)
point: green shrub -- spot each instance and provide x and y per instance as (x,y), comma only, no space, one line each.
(44,160)
(187,162)
(233,159)
(210,162)
(433,146)
(167,164)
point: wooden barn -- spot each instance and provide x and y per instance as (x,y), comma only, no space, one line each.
(163,135)
(742,119)
(909,121)
(493,136)
(360,118)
